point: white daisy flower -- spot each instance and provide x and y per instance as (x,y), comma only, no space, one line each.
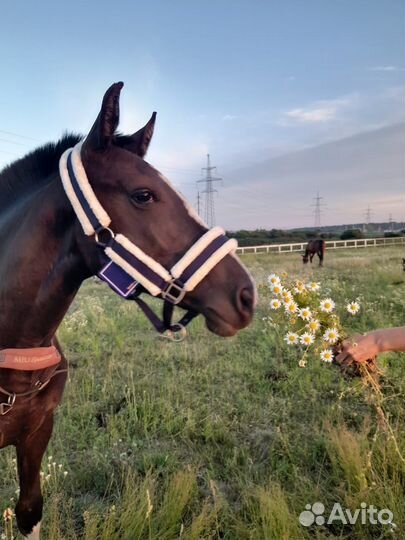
(313,325)
(299,287)
(327,305)
(314,286)
(291,308)
(275,303)
(327,355)
(353,307)
(273,279)
(307,339)
(287,297)
(276,288)
(331,335)
(291,338)
(305,313)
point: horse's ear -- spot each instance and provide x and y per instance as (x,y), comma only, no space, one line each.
(104,127)
(138,143)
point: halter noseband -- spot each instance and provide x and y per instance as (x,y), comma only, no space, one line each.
(128,270)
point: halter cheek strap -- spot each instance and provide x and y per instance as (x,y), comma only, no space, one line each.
(128,269)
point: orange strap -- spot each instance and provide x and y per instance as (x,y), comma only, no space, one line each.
(29,359)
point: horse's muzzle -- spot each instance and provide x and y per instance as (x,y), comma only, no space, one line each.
(245,303)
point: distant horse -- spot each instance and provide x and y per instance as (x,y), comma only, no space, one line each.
(403,265)
(314,247)
(103,211)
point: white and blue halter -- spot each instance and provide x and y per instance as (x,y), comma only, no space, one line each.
(128,269)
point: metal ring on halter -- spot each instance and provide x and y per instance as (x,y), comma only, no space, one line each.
(176,333)
(354,344)
(8,405)
(101,231)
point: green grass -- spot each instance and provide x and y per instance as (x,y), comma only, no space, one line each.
(221,439)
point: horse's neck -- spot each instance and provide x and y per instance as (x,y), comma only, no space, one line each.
(40,268)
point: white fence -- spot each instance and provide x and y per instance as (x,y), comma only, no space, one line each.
(330,244)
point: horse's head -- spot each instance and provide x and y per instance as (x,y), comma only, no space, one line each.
(305,258)
(147,209)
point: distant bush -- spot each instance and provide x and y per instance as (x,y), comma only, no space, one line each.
(276,236)
(391,234)
(351,234)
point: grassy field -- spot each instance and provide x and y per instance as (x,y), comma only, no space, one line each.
(222,439)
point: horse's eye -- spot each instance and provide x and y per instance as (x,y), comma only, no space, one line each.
(142,197)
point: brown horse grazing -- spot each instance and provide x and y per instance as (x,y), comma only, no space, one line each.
(314,247)
(46,255)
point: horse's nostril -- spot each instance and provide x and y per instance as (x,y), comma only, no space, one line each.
(246,300)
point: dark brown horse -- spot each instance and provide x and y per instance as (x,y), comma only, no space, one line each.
(314,247)
(45,257)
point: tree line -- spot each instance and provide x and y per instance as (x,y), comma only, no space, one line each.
(280,236)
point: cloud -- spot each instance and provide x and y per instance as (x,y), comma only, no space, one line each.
(384,68)
(229,117)
(312,115)
(369,165)
(318,112)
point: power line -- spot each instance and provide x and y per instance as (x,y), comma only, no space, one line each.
(16,143)
(176,169)
(17,135)
(10,153)
(367,214)
(391,222)
(198,203)
(318,204)
(209,208)
(13,142)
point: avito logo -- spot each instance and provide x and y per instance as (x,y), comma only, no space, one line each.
(314,514)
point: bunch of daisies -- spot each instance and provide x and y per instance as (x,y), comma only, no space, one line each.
(310,320)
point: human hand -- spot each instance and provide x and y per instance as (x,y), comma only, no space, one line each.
(359,348)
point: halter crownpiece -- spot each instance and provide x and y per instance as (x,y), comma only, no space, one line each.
(128,269)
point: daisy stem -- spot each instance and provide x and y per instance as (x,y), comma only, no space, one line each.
(379,398)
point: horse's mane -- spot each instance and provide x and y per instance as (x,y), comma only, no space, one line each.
(33,170)
(37,168)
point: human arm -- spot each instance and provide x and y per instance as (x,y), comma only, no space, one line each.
(362,348)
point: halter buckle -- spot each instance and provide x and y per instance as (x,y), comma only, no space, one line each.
(174,292)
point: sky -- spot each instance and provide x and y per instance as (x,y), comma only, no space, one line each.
(246,81)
